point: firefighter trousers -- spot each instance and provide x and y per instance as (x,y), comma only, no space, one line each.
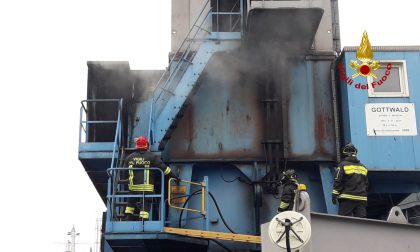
(141,205)
(355,208)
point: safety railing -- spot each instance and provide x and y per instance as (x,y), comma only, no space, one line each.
(89,125)
(204,201)
(234,15)
(184,56)
(171,199)
(117,197)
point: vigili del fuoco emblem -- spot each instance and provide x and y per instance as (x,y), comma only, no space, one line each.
(367,64)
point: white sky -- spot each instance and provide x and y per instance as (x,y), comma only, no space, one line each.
(44,46)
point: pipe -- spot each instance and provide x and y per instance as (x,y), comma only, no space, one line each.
(335,109)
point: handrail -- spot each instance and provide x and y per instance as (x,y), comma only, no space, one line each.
(183,42)
(184,56)
(203,195)
(117,141)
(96,100)
(186,52)
(84,112)
(85,123)
(186,39)
(162,84)
(230,13)
(112,192)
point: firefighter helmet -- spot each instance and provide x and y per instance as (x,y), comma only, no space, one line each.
(349,150)
(289,173)
(142,143)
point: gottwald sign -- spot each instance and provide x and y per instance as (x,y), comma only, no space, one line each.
(391,119)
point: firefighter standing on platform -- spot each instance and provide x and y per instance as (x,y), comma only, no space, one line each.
(290,185)
(142,181)
(350,184)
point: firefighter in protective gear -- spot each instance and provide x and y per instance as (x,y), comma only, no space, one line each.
(142,181)
(290,185)
(350,184)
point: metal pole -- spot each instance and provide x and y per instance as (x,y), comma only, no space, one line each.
(73,235)
(206,203)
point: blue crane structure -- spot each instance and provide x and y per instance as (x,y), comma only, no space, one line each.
(251,88)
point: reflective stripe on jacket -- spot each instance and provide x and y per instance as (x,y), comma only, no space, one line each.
(144,180)
(350,180)
(288,195)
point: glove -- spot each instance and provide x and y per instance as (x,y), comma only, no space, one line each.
(334,198)
(172,175)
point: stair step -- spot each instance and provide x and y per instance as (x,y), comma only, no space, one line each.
(123,192)
(123,181)
(184,85)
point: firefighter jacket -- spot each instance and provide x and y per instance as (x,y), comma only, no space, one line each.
(288,195)
(350,180)
(143,180)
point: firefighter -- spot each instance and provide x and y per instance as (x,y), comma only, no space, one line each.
(350,184)
(290,185)
(142,181)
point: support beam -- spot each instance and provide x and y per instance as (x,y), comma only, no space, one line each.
(327,186)
(214,235)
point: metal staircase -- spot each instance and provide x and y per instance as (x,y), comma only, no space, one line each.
(185,68)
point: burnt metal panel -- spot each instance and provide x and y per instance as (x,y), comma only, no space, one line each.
(292,28)
(229,117)
(223,119)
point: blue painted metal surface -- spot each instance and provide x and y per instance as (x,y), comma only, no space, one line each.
(327,186)
(185,68)
(393,161)
(219,136)
(166,110)
(382,152)
(225,119)
(96,155)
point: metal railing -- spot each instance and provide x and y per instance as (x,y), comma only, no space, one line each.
(184,56)
(87,127)
(203,197)
(118,194)
(235,17)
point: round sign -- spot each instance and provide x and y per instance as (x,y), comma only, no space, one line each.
(299,234)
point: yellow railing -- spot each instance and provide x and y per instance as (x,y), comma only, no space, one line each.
(203,196)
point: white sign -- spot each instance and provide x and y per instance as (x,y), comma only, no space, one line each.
(391,119)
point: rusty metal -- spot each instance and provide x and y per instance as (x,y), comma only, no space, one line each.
(242,90)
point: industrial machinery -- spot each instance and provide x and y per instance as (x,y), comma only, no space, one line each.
(251,88)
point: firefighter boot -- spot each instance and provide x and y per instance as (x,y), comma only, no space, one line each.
(144,215)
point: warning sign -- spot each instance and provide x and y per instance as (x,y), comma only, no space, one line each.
(391,119)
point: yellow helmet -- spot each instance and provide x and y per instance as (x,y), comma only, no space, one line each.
(302,187)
